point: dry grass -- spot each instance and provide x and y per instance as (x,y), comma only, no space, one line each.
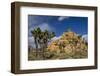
(47,55)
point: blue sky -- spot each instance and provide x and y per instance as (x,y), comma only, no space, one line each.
(58,24)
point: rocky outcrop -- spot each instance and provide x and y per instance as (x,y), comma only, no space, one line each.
(69,43)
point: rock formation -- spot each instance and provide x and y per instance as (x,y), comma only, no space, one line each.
(71,44)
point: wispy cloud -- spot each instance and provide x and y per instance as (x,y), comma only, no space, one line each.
(61,18)
(55,38)
(85,37)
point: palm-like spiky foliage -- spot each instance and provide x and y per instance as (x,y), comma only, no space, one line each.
(52,34)
(45,37)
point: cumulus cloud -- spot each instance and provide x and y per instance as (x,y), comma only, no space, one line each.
(85,37)
(45,26)
(61,18)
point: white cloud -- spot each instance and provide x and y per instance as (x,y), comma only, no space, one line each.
(31,42)
(29,31)
(61,18)
(55,38)
(45,26)
(85,37)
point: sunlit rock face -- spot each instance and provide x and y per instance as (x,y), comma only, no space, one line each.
(70,43)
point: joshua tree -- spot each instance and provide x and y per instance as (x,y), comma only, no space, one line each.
(46,38)
(41,38)
(35,34)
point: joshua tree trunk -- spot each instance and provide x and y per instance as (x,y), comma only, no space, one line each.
(36,45)
(42,49)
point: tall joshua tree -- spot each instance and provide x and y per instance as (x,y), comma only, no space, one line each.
(35,34)
(41,38)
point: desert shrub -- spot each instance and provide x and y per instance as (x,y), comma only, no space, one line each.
(32,56)
(50,54)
